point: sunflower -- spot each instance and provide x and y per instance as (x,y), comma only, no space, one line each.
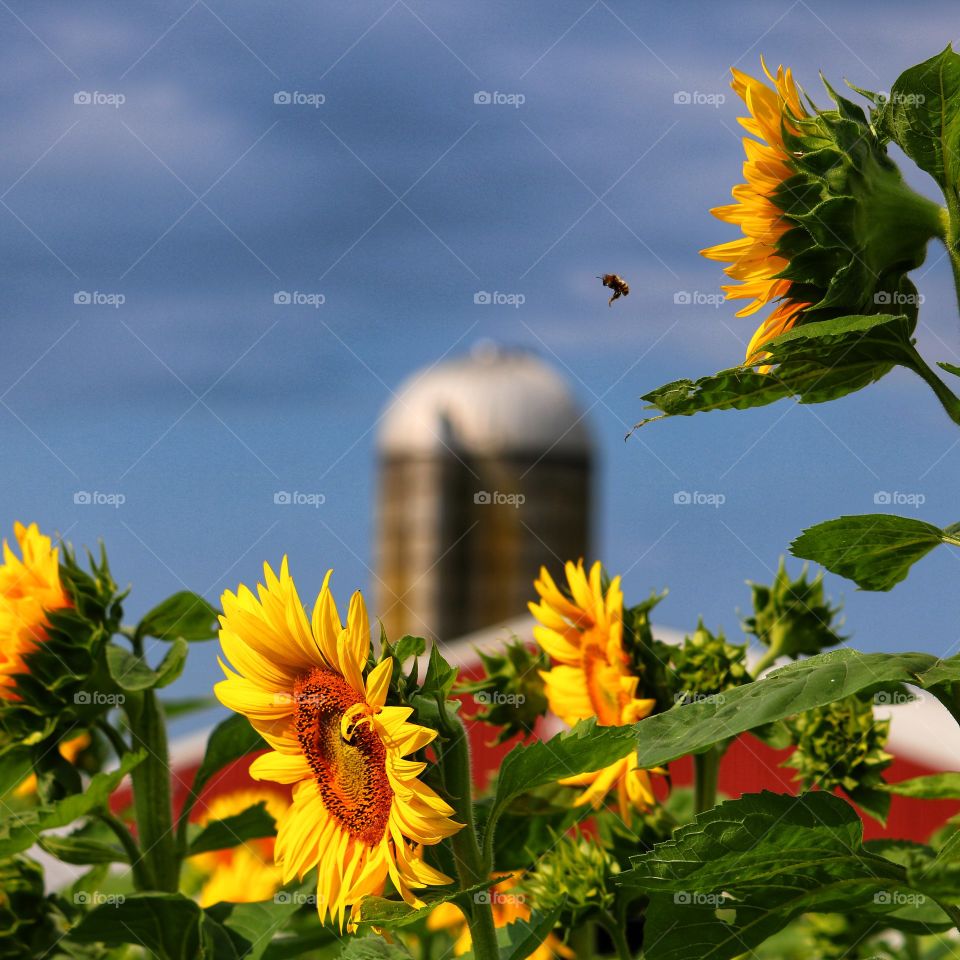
(583,632)
(246,873)
(507,907)
(29,587)
(360,814)
(754,259)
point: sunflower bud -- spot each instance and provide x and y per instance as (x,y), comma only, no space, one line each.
(792,617)
(707,665)
(511,695)
(26,928)
(841,745)
(575,874)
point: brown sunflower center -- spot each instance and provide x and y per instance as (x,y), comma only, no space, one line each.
(348,758)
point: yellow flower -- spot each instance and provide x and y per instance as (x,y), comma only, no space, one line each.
(754,260)
(506,907)
(583,632)
(69,750)
(360,814)
(29,587)
(245,873)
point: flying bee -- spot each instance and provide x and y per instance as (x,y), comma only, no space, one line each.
(618,285)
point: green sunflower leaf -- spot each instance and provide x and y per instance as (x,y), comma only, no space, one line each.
(932,786)
(793,689)
(253,823)
(372,948)
(746,868)
(184,614)
(82,850)
(21,831)
(585,748)
(133,673)
(230,740)
(875,550)
(815,362)
(381,912)
(520,939)
(922,116)
(168,924)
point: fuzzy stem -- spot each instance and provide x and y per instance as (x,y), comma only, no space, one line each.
(142,878)
(943,393)
(618,935)
(706,772)
(151,793)
(471,867)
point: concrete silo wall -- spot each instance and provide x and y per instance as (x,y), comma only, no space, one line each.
(461,538)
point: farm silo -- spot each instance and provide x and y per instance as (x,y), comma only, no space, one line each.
(486,472)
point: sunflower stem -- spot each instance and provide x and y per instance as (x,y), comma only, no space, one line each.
(618,935)
(943,393)
(142,879)
(151,792)
(706,767)
(471,865)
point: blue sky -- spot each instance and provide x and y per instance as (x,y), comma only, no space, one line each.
(198,197)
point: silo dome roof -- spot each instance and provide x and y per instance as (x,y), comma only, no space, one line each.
(491,401)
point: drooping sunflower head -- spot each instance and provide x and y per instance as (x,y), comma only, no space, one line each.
(246,873)
(360,813)
(829,227)
(29,588)
(582,630)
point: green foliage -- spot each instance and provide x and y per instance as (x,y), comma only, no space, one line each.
(795,688)
(921,116)
(183,615)
(133,674)
(793,618)
(521,938)
(250,824)
(26,927)
(745,868)
(840,745)
(573,878)
(650,658)
(511,693)
(20,831)
(705,665)
(875,550)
